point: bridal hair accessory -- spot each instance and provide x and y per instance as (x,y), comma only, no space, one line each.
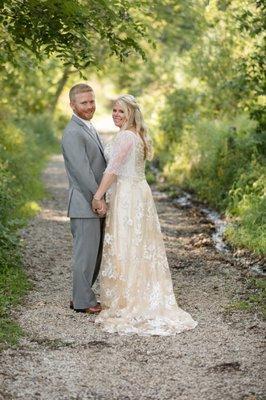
(129,98)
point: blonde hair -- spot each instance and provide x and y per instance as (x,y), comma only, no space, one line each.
(79,88)
(134,117)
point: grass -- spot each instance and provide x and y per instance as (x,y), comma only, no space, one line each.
(245,235)
(14,284)
(25,147)
(225,168)
(253,298)
(10,332)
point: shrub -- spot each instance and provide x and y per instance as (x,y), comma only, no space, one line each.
(247,202)
(221,161)
(24,146)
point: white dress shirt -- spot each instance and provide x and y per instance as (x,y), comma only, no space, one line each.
(92,130)
(88,123)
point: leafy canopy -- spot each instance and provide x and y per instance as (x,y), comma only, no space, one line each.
(79,32)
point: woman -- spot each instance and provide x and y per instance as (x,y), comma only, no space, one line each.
(136,288)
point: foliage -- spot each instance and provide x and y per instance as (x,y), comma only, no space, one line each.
(247,202)
(13,285)
(174,27)
(211,155)
(78,32)
(31,87)
(24,146)
(45,42)
(220,161)
(203,93)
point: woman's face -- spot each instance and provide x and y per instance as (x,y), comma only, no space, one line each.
(118,115)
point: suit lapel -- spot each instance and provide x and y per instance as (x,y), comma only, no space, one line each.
(92,135)
(95,133)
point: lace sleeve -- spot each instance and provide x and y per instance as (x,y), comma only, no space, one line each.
(150,151)
(121,153)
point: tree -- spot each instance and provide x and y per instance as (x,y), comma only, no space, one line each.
(79,32)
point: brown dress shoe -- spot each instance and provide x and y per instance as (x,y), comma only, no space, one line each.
(71,305)
(93,310)
(89,310)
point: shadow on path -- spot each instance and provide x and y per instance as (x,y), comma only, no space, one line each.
(65,356)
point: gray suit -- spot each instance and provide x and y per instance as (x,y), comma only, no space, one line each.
(85,164)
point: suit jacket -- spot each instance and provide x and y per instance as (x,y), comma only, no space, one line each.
(85,163)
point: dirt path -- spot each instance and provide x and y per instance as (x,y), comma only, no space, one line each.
(65,356)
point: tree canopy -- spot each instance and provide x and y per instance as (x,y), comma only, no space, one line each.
(79,32)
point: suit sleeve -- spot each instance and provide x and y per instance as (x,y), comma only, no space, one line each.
(78,164)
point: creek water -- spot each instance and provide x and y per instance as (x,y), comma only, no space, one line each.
(185,200)
(220,225)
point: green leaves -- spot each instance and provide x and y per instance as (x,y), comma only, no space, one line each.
(73,30)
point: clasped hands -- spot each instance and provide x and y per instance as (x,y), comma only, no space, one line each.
(99,206)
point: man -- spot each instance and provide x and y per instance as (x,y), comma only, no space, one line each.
(85,163)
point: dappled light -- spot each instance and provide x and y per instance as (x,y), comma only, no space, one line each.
(197,71)
(50,215)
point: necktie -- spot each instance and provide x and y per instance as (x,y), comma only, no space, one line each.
(96,134)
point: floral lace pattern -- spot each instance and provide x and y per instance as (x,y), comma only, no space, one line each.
(136,287)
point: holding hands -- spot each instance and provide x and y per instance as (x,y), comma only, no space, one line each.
(99,206)
(98,203)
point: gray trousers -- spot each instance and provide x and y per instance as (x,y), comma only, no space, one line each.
(87,253)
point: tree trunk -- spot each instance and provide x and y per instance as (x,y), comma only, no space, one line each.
(60,86)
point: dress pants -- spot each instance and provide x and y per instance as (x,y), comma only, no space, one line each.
(87,253)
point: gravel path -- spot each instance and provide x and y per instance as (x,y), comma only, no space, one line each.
(65,356)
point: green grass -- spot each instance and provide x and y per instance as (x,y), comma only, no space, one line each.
(247,235)
(25,146)
(14,284)
(10,333)
(222,163)
(253,299)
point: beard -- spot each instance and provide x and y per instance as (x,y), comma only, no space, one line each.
(87,115)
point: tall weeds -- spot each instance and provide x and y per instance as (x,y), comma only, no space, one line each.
(221,161)
(24,146)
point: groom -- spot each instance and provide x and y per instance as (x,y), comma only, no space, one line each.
(85,163)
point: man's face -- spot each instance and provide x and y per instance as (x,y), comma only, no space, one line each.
(84,105)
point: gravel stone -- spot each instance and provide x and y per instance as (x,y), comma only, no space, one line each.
(64,355)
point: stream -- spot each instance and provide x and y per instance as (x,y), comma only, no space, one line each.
(185,200)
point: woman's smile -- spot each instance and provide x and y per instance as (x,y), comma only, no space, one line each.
(118,115)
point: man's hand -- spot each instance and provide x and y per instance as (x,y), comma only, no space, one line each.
(99,207)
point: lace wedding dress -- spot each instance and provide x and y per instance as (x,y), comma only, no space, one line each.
(135,282)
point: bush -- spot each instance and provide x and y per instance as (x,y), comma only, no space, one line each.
(247,202)
(24,146)
(220,161)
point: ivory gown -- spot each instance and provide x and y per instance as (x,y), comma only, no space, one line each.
(135,282)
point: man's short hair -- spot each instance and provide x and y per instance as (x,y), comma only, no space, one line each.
(79,88)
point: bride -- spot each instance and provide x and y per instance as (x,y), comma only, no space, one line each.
(135,282)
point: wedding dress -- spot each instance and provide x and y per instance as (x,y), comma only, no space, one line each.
(135,282)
